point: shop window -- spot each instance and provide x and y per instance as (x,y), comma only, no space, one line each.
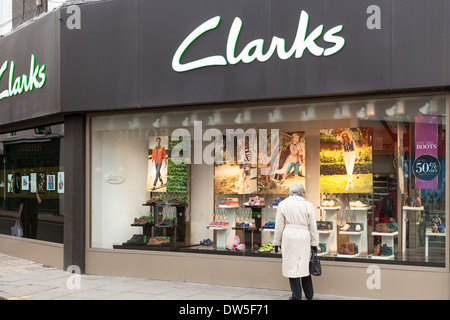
(32,184)
(209,181)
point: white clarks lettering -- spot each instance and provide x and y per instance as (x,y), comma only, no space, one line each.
(254,50)
(25,83)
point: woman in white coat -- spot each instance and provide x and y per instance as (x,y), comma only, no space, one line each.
(296,233)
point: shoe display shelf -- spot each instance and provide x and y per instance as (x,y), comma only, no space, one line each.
(357,237)
(222,225)
(164,228)
(404,222)
(329,237)
(268,224)
(388,239)
(431,234)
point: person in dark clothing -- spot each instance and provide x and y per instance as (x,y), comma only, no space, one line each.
(28,214)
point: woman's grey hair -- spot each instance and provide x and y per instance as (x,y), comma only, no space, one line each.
(297,189)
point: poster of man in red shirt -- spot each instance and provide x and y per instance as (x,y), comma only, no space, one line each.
(157,164)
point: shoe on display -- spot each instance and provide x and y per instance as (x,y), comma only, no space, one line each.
(277,201)
(384,250)
(229,202)
(137,239)
(382,227)
(357,204)
(377,251)
(358,227)
(346,227)
(207,242)
(267,247)
(352,227)
(241,247)
(269,225)
(347,248)
(157,241)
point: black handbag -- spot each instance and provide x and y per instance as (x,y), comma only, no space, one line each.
(314,264)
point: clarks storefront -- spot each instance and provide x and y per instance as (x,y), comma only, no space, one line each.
(186,122)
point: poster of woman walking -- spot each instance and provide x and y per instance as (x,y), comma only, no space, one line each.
(346,164)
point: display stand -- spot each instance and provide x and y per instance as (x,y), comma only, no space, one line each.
(357,237)
(225,235)
(221,236)
(329,237)
(405,223)
(431,234)
(269,211)
(388,239)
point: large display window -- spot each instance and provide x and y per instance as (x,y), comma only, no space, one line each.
(32,183)
(210,180)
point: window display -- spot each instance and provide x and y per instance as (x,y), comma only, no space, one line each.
(31,193)
(210,181)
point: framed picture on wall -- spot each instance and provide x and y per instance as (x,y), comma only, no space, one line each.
(10,183)
(41,182)
(16,182)
(33,182)
(25,183)
(60,182)
(51,184)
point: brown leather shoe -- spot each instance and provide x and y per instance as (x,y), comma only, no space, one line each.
(381,227)
(347,248)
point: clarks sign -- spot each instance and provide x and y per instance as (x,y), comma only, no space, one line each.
(25,83)
(254,50)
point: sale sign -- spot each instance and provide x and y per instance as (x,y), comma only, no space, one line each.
(426,167)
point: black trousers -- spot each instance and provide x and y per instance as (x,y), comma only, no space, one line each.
(296,287)
(29,225)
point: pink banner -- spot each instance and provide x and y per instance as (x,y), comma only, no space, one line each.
(426,166)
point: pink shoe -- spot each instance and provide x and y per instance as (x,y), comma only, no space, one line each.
(241,247)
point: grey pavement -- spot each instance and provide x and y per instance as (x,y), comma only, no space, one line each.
(26,280)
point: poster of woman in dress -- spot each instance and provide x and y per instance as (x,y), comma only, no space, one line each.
(346,164)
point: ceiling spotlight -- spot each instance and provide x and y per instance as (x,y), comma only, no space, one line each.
(156,123)
(362,113)
(392,111)
(275,115)
(425,109)
(238,119)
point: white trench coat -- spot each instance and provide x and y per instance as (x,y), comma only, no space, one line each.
(295,232)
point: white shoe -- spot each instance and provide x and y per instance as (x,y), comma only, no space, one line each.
(346,227)
(358,227)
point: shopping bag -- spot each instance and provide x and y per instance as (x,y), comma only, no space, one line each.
(17,230)
(314,265)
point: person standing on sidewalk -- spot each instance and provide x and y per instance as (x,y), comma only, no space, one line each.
(28,214)
(296,233)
